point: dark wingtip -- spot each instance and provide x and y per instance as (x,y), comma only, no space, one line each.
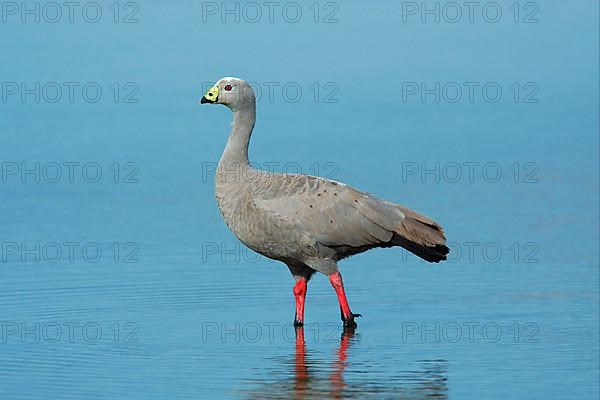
(433,253)
(439,253)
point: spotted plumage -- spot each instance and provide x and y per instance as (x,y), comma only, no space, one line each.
(307,222)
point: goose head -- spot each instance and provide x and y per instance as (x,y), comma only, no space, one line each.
(234,93)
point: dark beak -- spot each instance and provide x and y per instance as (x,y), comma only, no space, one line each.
(205,100)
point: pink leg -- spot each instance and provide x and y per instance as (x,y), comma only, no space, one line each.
(300,294)
(338,285)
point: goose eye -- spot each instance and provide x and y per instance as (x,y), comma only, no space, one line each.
(228,88)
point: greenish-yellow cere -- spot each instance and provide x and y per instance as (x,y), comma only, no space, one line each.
(212,93)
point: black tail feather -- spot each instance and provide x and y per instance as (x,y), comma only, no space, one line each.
(434,253)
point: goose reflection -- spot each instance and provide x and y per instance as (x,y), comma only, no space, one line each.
(311,378)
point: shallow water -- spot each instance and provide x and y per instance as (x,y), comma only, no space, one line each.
(132,287)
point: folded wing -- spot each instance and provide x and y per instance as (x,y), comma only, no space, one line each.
(341,217)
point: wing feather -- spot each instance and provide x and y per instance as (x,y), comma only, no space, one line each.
(337,215)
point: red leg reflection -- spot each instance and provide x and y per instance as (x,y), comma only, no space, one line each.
(337,376)
(301,367)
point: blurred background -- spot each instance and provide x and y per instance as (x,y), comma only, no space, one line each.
(119,278)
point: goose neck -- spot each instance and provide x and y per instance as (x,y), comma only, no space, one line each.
(236,150)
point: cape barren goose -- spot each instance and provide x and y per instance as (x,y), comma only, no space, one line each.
(308,223)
